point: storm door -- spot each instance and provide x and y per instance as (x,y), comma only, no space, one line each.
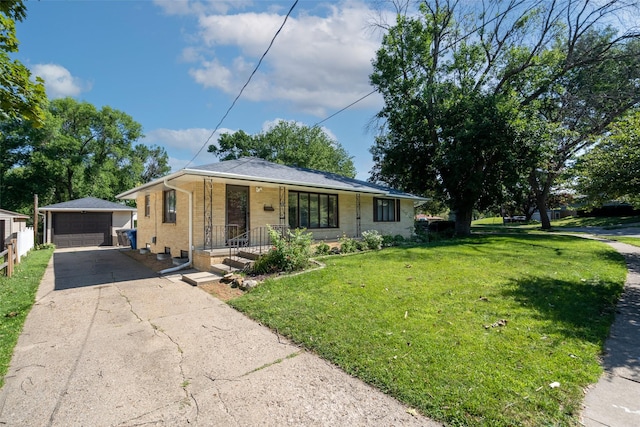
(237,213)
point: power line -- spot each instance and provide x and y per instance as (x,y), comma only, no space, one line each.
(461,38)
(347,107)
(245,85)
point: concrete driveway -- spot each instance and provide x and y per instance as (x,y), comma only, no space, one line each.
(109,343)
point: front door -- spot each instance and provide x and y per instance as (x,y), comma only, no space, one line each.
(237,212)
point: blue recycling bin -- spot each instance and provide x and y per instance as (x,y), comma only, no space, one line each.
(132,235)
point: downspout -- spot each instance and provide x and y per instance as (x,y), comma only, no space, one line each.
(188,263)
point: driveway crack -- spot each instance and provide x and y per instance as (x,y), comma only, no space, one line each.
(126,298)
(160,332)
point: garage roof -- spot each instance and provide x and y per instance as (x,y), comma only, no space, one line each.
(87,204)
(10,214)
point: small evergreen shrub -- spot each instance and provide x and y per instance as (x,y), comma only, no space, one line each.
(322,249)
(347,244)
(387,241)
(372,239)
(290,252)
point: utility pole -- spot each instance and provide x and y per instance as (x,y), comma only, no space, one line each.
(35,219)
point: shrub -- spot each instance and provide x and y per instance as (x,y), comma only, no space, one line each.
(387,241)
(322,249)
(440,226)
(361,245)
(347,244)
(41,246)
(372,239)
(290,252)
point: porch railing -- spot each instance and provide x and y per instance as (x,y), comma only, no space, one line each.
(257,240)
(220,234)
(229,237)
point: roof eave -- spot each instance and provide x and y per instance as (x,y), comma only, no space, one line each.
(124,209)
(299,183)
(132,194)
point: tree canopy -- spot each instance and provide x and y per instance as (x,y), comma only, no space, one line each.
(478,96)
(288,143)
(79,151)
(611,170)
(20,97)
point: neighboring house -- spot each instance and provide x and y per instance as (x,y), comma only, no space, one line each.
(10,224)
(86,222)
(197,210)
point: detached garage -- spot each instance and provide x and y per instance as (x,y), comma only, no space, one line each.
(86,222)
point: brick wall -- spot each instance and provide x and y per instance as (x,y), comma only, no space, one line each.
(176,236)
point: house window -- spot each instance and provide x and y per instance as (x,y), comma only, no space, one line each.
(386,210)
(313,210)
(169,206)
(147,205)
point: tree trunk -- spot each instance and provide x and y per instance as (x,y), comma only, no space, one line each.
(463,221)
(542,208)
(541,188)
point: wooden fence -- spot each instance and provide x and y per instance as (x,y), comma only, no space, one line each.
(9,257)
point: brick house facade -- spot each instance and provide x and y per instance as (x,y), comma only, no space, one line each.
(223,200)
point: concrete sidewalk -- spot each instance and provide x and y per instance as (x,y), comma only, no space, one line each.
(109,343)
(615,399)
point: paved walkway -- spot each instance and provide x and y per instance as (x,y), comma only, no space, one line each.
(615,400)
(109,343)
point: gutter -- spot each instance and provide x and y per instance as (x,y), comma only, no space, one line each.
(190,195)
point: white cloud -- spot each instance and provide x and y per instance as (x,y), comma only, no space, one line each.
(58,81)
(190,140)
(319,63)
(177,164)
(190,7)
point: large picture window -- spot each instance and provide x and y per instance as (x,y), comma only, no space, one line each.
(386,210)
(169,204)
(313,210)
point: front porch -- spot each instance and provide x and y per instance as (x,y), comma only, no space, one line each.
(225,245)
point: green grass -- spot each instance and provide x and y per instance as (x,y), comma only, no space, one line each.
(17,295)
(495,224)
(635,241)
(606,222)
(419,323)
(494,220)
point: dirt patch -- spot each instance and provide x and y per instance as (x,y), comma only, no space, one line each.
(149,260)
(222,291)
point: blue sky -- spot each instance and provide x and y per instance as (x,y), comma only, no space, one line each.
(175,66)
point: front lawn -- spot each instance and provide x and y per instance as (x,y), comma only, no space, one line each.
(605,222)
(634,241)
(16,298)
(476,331)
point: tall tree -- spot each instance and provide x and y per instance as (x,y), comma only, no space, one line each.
(455,65)
(611,170)
(80,151)
(20,97)
(577,111)
(291,144)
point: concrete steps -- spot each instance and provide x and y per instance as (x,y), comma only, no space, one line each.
(200,278)
(223,269)
(243,261)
